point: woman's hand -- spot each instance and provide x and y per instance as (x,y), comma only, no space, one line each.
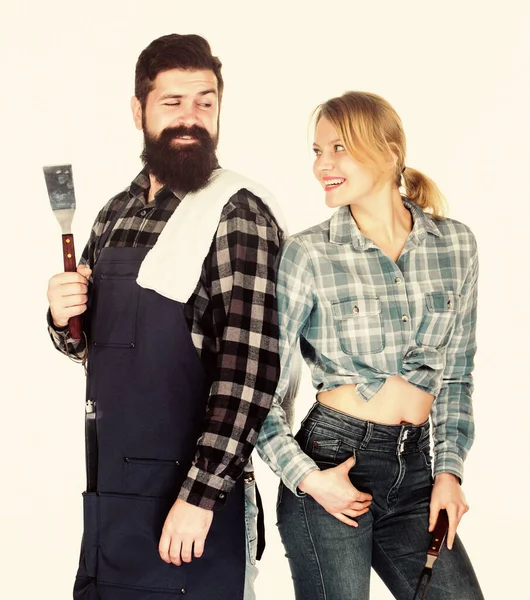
(447,493)
(333,490)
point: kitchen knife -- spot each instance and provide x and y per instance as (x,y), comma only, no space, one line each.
(438,537)
(60,184)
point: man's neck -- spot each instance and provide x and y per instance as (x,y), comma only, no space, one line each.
(154,188)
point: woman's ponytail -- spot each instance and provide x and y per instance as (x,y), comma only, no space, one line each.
(422,190)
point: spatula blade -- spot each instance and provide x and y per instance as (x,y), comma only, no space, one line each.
(60,184)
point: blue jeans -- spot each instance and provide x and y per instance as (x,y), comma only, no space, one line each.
(251,531)
(330,560)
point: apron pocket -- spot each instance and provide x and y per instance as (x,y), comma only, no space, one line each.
(129,533)
(89,545)
(152,477)
(115,320)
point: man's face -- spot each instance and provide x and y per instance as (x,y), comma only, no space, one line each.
(180,127)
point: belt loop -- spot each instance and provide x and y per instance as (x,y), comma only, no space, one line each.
(367,435)
(403,435)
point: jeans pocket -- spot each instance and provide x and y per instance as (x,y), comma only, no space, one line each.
(324,452)
(251,520)
(427,458)
(327,446)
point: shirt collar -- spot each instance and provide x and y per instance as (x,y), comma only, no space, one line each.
(140,188)
(141,183)
(344,230)
(423,223)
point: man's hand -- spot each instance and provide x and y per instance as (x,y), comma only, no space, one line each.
(67,295)
(447,493)
(184,531)
(333,490)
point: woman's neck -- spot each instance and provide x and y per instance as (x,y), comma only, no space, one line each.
(384,219)
(382,216)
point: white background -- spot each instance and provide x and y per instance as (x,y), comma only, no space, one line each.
(457,73)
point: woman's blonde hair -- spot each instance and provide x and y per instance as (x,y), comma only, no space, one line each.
(372,132)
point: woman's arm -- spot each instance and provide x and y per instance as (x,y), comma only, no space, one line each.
(452,412)
(276,445)
(294,293)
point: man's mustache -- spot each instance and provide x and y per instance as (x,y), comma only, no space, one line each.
(194,131)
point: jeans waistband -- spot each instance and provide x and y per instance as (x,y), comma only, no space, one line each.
(362,434)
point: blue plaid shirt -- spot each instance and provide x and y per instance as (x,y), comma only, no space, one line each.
(360,318)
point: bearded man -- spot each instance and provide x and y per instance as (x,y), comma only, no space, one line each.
(180,342)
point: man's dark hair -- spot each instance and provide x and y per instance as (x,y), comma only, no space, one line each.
(174,51)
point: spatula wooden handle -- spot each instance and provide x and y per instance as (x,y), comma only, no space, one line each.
(70,265)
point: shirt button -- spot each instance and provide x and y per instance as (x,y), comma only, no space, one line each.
(221,495)
(355,309)
(398,280)
(404,318)
(143,213)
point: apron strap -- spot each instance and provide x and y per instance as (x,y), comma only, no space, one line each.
(91,434)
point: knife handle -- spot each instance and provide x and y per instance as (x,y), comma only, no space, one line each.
(439,533)
(70,265)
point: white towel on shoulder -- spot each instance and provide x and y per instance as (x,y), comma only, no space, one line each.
(173,265)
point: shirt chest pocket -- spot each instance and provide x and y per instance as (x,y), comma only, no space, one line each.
(439,316)
(358,324)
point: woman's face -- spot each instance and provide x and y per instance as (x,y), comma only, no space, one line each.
(344,180)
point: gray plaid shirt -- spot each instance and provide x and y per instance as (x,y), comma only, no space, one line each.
(360,318)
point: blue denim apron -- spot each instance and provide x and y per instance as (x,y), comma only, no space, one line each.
(146,396)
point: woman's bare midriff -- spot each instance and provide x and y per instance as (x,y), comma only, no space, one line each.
(398,401)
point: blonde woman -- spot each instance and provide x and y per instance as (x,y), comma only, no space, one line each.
(381,299)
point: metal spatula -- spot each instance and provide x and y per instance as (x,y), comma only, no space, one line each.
(438,537)
(60,184)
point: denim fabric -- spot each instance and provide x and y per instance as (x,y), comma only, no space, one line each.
(251,530)
(330,560)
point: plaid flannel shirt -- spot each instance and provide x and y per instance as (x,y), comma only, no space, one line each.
(360,318)
(232,317)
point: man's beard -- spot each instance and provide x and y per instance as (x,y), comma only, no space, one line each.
(185,167)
